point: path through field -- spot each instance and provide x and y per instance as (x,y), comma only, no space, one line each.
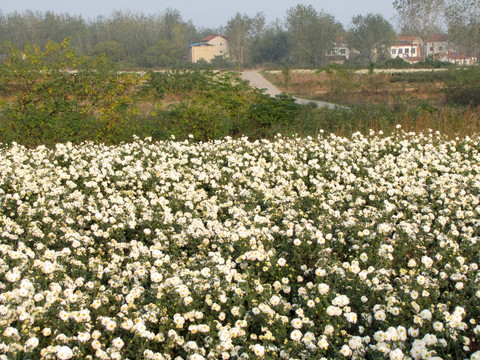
(258,81)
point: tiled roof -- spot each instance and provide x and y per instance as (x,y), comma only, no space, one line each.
(402,43)
(211,37)
(409,38)
(437,38)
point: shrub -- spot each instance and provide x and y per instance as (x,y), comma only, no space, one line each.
(53,95)
(463,87)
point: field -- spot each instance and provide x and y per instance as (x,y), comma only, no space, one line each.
(349,86)
(294,248)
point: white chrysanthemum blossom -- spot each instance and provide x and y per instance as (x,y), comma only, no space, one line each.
(296,335)
(64,353)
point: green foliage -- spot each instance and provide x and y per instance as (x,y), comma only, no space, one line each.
(372,35)
(54,95)
(273,47)
(397,63)
(427,76)
(217,104)
(463,87)
(312,34)
(175,82)
(112,49)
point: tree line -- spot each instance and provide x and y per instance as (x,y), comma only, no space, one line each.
(305,37)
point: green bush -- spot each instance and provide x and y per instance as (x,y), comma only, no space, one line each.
(396,63)
(463,87)
(53,95)
(427,76)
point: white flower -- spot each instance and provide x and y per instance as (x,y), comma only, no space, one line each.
(329,330)
(334,310)
(196,357)
(64,353)
(355,342)
(281,262)
(296,335)
(426,314)
(380,315)
(296,323)
(83,336)
(32,343)
(275,300)
(259,350)
(118,343)
(345,350)
(12,276)
(351,317)
(323,289)
(156,277)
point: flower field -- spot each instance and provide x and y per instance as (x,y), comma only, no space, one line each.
(287,249)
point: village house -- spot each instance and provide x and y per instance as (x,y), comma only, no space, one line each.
(437,47)
(407,48)
(340,52)
(208,48)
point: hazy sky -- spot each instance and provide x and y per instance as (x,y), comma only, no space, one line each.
(207,13)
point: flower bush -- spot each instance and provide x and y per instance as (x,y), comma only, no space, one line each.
(288,249)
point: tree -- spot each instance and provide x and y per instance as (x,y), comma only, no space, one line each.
(241,30)
(371,35)
(274,46)
(312,34)
(463,20)
(420,17)
(112,49)
(53,95)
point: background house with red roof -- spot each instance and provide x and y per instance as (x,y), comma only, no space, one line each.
(437,47)
(340,52)
(208,48)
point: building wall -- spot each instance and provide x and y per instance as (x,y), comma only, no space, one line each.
(198,52)
(437,48)
(221,45)
(405,51)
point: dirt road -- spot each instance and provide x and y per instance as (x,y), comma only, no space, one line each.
(258,81)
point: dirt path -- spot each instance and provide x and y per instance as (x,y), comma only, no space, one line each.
(258,81)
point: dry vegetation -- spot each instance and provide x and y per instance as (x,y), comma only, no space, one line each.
(350,87)
(380,101)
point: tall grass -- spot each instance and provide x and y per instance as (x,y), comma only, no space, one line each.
(419,117)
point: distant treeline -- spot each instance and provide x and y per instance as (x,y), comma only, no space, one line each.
(305,37)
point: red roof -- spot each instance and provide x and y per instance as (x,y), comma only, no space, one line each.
(437,38)
(403,43)
(409,38)
(455,56)
(211,37)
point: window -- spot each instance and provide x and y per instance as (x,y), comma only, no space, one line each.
(431,48)
(407,51)
(394,51)
(440,48)
(414,50)
(400,51)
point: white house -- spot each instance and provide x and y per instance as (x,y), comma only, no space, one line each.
(437,47)
(407,48)
(340,52)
